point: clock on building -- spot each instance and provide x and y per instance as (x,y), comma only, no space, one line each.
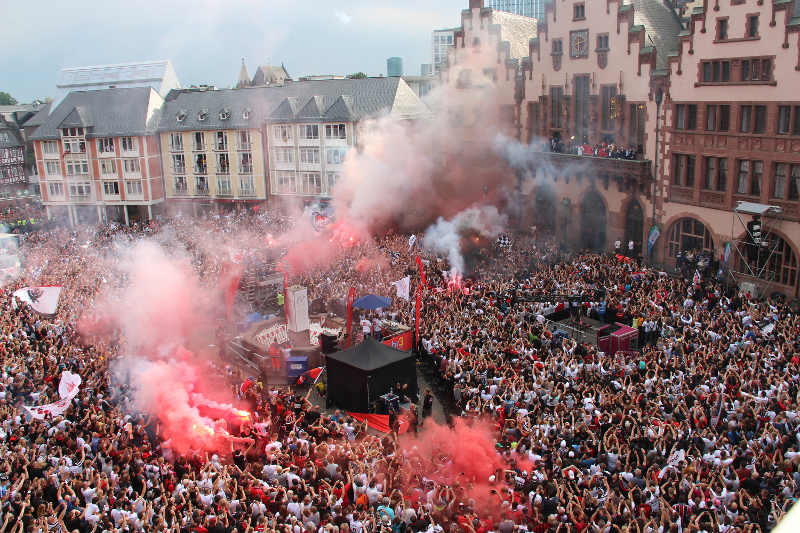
(579,43)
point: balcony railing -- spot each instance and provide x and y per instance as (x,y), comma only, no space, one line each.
(176,147)
(199,147)
(244,146)
(581,165)
(200,169)
(246,169)
(179,170)
(181,188)
(221,147)
(201,189)
(247,192)
(223,170)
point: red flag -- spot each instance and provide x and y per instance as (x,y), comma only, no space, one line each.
(419,304)
(421,272)
(229,278)
(351,297)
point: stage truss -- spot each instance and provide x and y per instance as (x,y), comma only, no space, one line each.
(755,251)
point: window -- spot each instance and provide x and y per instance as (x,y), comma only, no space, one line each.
(312,184)
(756,69)
(752,26)
(200,164)
(105,146)
(221,141)
(796,121)
(199,141)
(680,116)
(608,95)
(744,173)
(50,148)
(760,125)
(223,164)
(710,173)
(202,115)
(581,106)
(225,114)
(724,117)
(333,179)
(201,185)
(579,11)
(180,184)
(309,156)
(602,41)
(74,146)
(55,189)
(111,188)
(744,120)
(309,131)
(127,144)
(108,167)
(722,29)
(80,190)
(246,186)
(285,182)
(711,117)
(557,47)
(784,119)
(336,156)
(779,182)
(689,234)
(134,188)
(335,131)
(556,104)
(178,164)
(283,132)
(691,121)
(176,142)
(52,168)
(722,177)
(246,163)
(683,170)
(224,187)
(243,140)
(77,168)
(283,155)
(794,183)
(130,166)
(755,179)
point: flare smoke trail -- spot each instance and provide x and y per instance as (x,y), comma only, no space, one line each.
(445,236)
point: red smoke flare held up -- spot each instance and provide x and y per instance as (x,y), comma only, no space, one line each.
(463,455)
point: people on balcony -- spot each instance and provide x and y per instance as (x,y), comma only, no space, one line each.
(601,149)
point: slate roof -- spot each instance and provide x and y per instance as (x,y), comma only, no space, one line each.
(317,100)
(662,26)
(12,139)
(105,113)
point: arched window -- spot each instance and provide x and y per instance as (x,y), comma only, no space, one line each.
(689,234)
(783,262)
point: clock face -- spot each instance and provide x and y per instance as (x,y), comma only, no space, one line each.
(579,43)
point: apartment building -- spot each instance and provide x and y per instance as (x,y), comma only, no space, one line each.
(98,157)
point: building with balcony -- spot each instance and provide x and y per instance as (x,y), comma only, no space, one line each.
(732,135)
(98,156)
(247,145)
(213,148)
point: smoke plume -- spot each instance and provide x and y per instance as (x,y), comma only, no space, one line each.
(445,235)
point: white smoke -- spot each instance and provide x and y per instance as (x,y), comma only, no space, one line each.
(444,236)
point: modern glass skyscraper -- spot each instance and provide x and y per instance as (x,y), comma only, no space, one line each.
(527,8)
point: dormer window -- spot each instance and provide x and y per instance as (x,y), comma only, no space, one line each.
(202,115)
(246,114)
(181,115)
(225,114)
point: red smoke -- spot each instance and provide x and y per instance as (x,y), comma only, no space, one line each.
(463,455)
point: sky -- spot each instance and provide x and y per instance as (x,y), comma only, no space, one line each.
(207,39)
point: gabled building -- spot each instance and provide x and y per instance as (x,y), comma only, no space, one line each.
(247,145)
(12,160)
(98,156)
(732,143)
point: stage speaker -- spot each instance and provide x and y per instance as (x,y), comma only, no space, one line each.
(329,344)
(297,308)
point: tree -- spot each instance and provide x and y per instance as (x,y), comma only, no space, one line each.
(7,99)
(357,76)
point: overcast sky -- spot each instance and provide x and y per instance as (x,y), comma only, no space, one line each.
(206,39)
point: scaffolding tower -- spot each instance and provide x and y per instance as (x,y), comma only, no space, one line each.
(756,248)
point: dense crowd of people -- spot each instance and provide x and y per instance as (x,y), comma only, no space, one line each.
(699,430)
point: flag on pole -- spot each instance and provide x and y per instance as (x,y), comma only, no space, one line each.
(419,304)
(421,272)
(403,287)
(652,238)
(312,375)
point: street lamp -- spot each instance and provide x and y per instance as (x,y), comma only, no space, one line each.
(659,98)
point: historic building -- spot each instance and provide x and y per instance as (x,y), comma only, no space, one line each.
(98,156)
(732,124)
(245,145)
(12,160)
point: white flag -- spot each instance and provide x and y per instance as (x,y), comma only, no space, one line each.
(403,287)
(68,387)
(411,241)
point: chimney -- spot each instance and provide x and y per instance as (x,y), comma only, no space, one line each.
(475,3)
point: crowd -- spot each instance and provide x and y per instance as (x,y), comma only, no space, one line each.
(700,431)
(601,149)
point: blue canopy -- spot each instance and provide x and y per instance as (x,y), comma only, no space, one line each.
(372,301)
